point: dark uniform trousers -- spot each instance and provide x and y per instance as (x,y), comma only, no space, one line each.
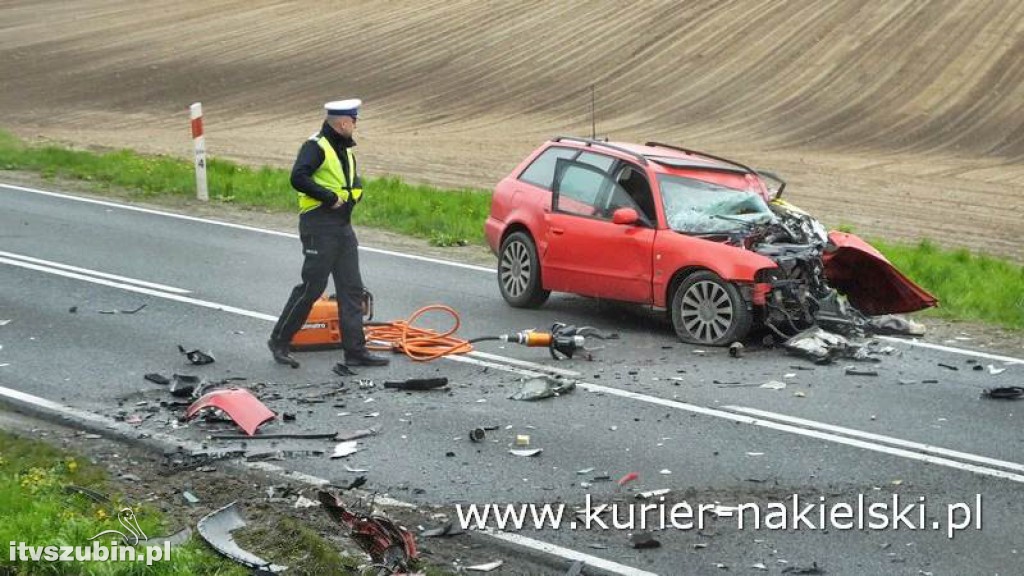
(334,253)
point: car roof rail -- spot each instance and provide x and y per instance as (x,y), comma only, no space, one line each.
(590,142)
(699,153)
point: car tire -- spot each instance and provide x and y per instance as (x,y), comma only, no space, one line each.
(709,311)
(519,272)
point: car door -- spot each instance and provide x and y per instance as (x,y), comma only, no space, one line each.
(586,252)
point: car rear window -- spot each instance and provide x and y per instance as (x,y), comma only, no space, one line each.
(541,172)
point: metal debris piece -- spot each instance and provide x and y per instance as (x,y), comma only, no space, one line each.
(773,385)
(736,349)
(448,529)
(522,439)
(851,371)
(642,540)
(820,345)
(1004,393)
(585,471)
(417,383)
(239,404)
(652,494)
(948,366)
(120,311)
(342,370)
(477,435)
(303,502)
(486,567)
(157,379)
(387,543)
(355,435)
(183,385)
(526,452)
(366,384)
(344,449)
(216,528)
(894,324)
(197,357)
(356,470)
(544,387)
(812,569)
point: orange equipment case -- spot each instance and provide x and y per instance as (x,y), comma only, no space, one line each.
(321,330)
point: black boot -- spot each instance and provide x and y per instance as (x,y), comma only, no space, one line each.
(282,355)
(365,358)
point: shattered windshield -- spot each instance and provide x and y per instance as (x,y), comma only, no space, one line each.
(698,207)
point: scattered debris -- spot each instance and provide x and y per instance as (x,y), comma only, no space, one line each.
(652,494)
(1004,393)
(477,434)
(643,540)
(365,384)
(948,366)
(759,566)
(157,378)
(576,569)
(823,347)
(894,324)
(355,435)
(356,470)
(627,478)
(183,385)
(216,528)
(387,543)
(773,385)
(486,567)
(179,538)
(118,311)
(527,452)
(281,436)
(73,310)
(665,472)
(239,404)
(89,493)
(344,449)
(303,502)
(448,529)
(736,349)
(994,371)
(197,357)
(851,371)
(190,497)
(417,383)
(522,439)
(584,471)
(342,370)
(812,569)
(544,387)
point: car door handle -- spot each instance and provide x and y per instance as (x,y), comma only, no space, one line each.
(557,231)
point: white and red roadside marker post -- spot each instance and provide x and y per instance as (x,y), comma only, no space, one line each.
(196,114)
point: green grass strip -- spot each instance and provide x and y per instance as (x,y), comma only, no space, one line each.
(38,511)
(969,286)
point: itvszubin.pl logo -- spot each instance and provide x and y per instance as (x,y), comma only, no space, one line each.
(122,547)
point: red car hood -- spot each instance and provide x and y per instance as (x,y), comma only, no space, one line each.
(873,285)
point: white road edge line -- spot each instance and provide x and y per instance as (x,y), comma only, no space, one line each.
(878,438)
(585,385)
(96,273)
(151,211)
(127,430)
(139,289)
(940,347)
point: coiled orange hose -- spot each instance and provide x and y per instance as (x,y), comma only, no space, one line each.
(420,344)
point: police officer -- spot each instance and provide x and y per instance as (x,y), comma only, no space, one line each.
(329,187)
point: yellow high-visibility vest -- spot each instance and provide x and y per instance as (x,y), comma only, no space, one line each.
(331,175)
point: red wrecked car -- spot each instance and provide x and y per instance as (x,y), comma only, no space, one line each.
(708,239)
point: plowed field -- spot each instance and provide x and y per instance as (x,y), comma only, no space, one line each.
(904,119)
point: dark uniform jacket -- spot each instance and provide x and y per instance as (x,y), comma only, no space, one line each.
(322,219)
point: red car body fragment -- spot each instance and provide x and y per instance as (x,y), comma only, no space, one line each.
(873,285)
(239,404)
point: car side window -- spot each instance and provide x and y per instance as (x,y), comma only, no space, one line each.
(541,172)
(581,189)
(599,161)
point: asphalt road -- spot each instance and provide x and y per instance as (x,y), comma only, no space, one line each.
(695,422)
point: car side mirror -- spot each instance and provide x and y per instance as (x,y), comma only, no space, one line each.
(625,216)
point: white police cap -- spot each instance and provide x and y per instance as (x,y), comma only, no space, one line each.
(348,107)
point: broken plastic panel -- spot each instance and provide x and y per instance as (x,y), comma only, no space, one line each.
(216,529)
(239,404)
(387,543)
(543,387)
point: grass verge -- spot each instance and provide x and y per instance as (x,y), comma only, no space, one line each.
(39,511)
(969,286)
